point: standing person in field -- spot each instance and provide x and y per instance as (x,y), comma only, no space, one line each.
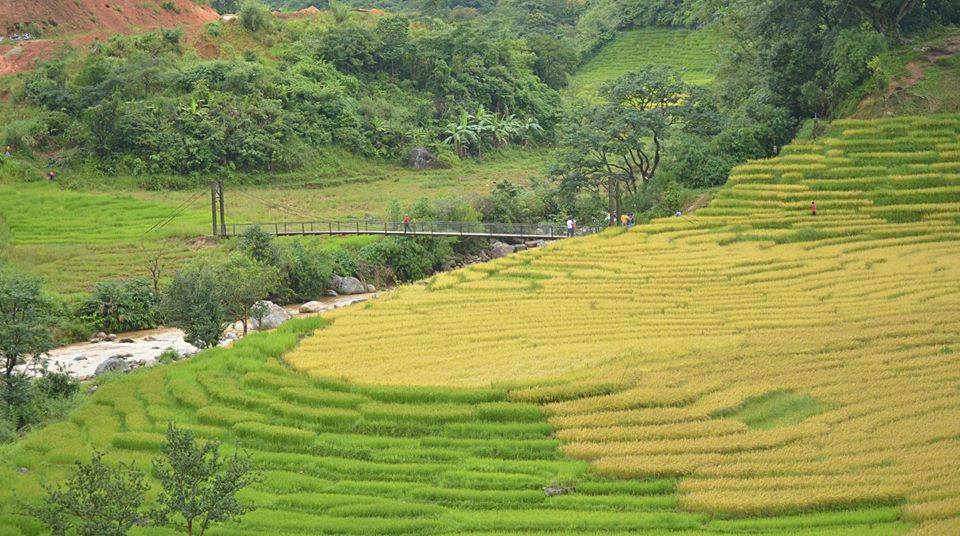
(813,208)
(570,227)
(625,220)
(406,223)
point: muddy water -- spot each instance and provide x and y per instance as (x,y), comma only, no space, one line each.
(81,360)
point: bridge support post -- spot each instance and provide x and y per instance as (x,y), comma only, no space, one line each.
(223,218)
(213,208)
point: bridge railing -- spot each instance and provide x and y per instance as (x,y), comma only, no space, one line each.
(440,228)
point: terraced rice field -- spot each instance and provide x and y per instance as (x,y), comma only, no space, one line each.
(750,369)
(690,51)
(342,458)
(773,361)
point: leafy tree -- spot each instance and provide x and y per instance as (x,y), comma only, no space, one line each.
(254,16)
(96,500)
(885,16)
(198,487)
(259,244)
(617,145)
(24,317)
(245,282)
(194,303)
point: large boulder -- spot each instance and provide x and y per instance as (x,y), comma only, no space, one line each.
(274,316)
(421,158)
(112,364)
(347,285)
(311,307)
(499,249)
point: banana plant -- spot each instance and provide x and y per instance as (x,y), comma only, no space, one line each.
(461,134)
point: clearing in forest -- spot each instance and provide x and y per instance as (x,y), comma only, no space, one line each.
(690,51)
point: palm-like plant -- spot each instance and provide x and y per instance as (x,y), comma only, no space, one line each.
(461,133)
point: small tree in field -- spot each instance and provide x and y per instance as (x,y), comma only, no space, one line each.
(198,487)
(97,499)
(194,303)
(24,315)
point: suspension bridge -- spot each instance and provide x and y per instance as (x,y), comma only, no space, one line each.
(462,229)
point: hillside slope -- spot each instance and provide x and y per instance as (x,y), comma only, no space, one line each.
(812,359)
(689,51)
(53,17)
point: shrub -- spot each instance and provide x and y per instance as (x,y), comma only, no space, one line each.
(126,305)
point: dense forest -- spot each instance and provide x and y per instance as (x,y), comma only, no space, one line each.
(463,79)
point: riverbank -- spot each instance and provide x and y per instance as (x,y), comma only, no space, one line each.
(142,348)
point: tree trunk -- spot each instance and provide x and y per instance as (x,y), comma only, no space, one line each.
(244,321)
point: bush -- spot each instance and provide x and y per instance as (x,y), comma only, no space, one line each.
(126,305)
(254,16)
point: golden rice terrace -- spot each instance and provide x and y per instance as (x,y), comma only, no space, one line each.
(774,361)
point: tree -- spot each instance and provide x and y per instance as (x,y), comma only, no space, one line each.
(194,303)
(24,317)
(96,500)
(198,488)
(254,16)
(259,245)
(245,283)
(617,145)
(885,16)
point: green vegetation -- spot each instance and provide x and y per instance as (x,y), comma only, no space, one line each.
(339,458)
(779,408)
(694,53)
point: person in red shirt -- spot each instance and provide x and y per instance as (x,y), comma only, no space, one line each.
(813,208)
(406,223)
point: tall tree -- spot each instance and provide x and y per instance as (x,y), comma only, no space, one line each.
(24,319)
(885,16)
(616,145)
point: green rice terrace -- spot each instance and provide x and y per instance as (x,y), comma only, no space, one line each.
(341,458)
(692,52)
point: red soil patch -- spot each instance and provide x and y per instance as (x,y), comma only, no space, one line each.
(309,11)
(80,22)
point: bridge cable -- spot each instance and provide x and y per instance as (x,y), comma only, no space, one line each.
(176,212)
(274,205)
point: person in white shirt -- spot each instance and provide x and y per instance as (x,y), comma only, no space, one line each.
(570,227)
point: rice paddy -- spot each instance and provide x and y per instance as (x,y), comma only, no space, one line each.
(689,51)
(774,362)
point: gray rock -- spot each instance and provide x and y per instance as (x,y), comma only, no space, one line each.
(311,307)
(231,336)
(447,266)
(127,341)
(371,288)
(112,364)
(535,243)
(110,337)
(520,247)
(421,158)
(551,491)
(499,249)
(274,316)
(121,356)
(330,293)
(80,358)
(23,470)
(347,285)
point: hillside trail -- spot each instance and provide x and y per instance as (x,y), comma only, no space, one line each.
(142,347)
(78,23)
(919,67)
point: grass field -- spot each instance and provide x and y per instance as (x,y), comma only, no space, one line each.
(73,239)
(690,51)
(775,362)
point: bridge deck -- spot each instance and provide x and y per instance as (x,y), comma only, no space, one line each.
(525,231)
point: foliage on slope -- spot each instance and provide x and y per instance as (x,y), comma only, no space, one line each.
(662,337)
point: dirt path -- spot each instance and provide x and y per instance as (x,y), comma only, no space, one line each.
(917,68)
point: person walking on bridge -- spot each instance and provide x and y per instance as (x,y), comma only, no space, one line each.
(406,223)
